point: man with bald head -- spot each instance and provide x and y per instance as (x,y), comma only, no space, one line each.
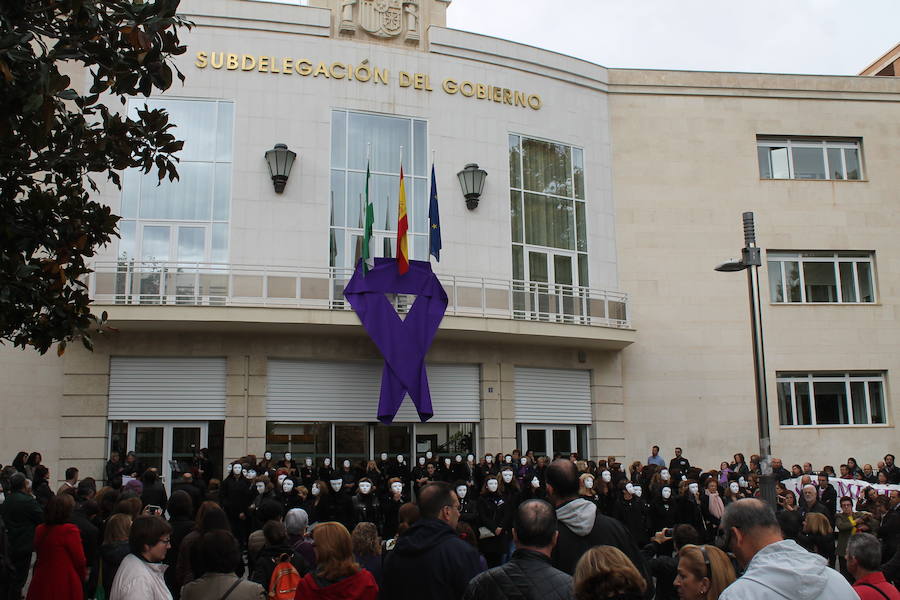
(581,526)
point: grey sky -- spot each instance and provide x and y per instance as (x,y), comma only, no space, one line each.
(836,37)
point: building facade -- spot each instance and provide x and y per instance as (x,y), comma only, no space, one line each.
(584,314)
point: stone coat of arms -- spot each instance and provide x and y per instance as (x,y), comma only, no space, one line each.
(382,18)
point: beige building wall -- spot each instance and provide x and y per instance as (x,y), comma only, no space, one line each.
(684,169)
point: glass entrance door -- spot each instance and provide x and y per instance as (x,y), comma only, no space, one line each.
(550,439)
(552,284)
(168,447)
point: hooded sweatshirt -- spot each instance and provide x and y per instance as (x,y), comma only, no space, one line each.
(359,586)
(784,570)
(429,561)
(581,527)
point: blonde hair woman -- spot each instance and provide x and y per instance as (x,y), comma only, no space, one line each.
(604,572)
(337,574)
(703,572)
(586,483)
(818,536)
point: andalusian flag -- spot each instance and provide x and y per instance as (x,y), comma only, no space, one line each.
(402,227)
(368,249)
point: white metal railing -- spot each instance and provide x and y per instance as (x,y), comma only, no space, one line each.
(218,284)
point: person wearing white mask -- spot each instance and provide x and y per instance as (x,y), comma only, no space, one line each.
(288,463)
(512,496)
(586,487)
(732,493)
(446,470)
(493,517)
(429,455)
(468,506)
(266,463)
(633,513)
(337,505)
(688,505)
(662,510)
(391,504)
(349,475)
(262,490)
(236,494)
(307,472)
(318,491)
(419,475)
(366,506)
(326,471)
(485,467)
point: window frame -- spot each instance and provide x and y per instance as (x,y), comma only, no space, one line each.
(412,181)
(835,258)
(574,253)
(846,377)
(820,143)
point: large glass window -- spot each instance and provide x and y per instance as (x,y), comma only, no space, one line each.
(831,398)
(803,158)
(185,220)
(821,277)
(356,137)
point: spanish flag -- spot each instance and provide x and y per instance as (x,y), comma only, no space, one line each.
(402,227)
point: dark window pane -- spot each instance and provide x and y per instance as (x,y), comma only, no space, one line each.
(581,226)
(804,411)
(562,441)
(785,408)
(765,169)
(819,280)
(851,156)
(536,440)
(515,211)
(578,166)
(515,166)
(835,164)
(518,263)
(773,162)
(583,278)
(866,286)
(876,402)
(792,275)
(831,403)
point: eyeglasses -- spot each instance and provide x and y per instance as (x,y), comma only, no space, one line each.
(166,541)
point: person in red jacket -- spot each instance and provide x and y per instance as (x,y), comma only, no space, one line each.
(863,560)
(337,576)
(61,568)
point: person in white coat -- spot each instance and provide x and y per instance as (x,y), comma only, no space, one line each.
(141,573)
(776,569)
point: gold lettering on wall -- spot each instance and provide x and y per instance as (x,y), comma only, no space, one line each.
(364,73)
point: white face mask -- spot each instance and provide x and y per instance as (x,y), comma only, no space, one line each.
(488,459)
(638,491)
(742,482)
(693,488)
(287,486)
(421,461)
(336,484)
(260,487)
(365,487)
(470,458)
(383,456)
(251,474)
(458,458)
(734,487)
(664,475)
(507,459)
(606,476)
(346,464)
(629,488)
(281,478)
(666,493)
(327,462)
(400,458)
(507,476)
(535,482)
(2,497)
(308,462)
(236,469)
(523,461)
(315,490)
(446,462)
(589,483)
(396,487)
(287,456)
(461,491)
(268,456)
(428,455)
(492,485)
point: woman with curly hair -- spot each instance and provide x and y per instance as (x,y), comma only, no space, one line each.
(605,573)
(367,548)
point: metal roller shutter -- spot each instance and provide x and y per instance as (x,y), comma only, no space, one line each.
(553,396)
(166,389)
(300,390)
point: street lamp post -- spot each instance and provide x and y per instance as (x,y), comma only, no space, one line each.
(751,260)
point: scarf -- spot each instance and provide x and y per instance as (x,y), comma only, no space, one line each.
(853,523)
(716,507)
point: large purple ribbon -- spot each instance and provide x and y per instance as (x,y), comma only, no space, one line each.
(403,343)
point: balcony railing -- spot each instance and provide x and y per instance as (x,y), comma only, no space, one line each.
(210,284)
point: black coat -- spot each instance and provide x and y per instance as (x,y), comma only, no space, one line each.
(662,514)
(429,561)
(367,509)
(492,514)
(90,544)
(527,576)
(391,514)
(633,514)
(663,568)
(269,556)
(154,494)
(235,495)
(112,556)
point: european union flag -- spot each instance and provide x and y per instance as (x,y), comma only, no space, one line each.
(434,218)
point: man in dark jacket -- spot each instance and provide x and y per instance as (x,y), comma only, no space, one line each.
(529,574)
(21,513)
(581,526)
(430,560)
(828,497)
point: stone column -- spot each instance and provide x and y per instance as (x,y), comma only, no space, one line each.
(83,413)
(607,437)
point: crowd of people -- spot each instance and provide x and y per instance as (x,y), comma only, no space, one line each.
(501,526)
